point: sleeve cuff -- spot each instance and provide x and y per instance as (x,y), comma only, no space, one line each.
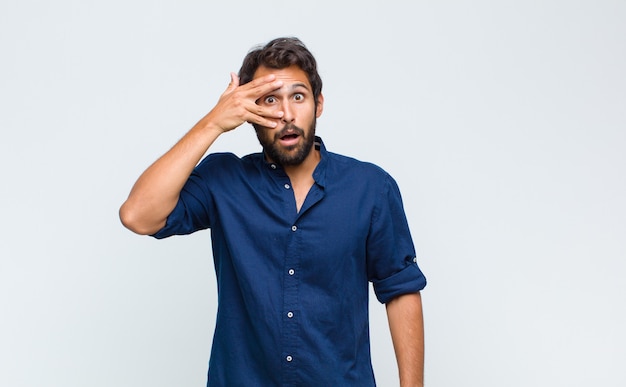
(408,280)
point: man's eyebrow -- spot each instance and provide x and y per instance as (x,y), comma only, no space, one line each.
(299,84)
(292,87)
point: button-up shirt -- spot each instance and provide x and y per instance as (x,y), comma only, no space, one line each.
(293,285)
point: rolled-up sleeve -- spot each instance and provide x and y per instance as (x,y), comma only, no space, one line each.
(408,280)
(195,204)
(391,259)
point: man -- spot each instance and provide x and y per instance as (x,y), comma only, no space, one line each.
(297,232)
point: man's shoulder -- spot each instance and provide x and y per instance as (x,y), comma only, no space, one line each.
(226,162)
(347,164)
(228,158)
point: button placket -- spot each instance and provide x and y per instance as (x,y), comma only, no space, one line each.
(290,306)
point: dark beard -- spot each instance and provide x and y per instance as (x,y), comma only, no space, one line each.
(288,157)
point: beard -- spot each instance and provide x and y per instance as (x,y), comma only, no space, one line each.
(291,155)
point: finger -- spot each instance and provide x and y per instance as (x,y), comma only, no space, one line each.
(271,112)
(263,121)
(260,86)
(266,116)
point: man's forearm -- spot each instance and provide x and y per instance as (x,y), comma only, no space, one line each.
(407,333)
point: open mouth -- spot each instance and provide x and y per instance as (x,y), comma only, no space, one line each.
(289,140)
(290,136)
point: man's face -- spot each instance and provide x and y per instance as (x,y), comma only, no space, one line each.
(292,140)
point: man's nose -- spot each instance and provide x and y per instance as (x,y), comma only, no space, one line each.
(288,113)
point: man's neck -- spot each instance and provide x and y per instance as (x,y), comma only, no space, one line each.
(304,170)
(301,176)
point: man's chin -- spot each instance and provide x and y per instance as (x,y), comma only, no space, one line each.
(290,155)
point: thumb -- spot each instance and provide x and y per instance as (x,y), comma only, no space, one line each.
(234,82)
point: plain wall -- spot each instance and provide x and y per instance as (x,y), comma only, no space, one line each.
(504,123)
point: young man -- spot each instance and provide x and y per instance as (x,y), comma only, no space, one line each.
(297,235)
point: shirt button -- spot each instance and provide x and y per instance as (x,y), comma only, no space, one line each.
(292,271)
(290,314)
(273,166)
(289,358)
(287,186)
(294,228)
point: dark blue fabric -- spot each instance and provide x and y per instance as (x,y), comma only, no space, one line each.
(293,287)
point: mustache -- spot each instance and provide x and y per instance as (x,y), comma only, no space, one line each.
(289,129)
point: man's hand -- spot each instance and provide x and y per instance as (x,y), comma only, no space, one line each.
(238,104)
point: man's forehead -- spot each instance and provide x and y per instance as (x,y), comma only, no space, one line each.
(289,75)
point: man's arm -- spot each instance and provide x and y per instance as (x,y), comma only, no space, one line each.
(406,324)
(155,194)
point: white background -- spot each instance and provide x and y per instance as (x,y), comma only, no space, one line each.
(504,123)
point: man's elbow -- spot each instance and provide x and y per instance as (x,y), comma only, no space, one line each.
(133,221)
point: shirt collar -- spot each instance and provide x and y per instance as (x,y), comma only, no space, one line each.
(319,174)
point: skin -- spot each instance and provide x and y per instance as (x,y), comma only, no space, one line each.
(406,325)
(276,102)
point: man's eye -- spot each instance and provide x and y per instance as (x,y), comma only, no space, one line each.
(298,97)
(270,100)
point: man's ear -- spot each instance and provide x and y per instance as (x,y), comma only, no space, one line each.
(320,105)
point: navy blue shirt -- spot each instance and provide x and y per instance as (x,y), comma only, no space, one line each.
(293,286)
